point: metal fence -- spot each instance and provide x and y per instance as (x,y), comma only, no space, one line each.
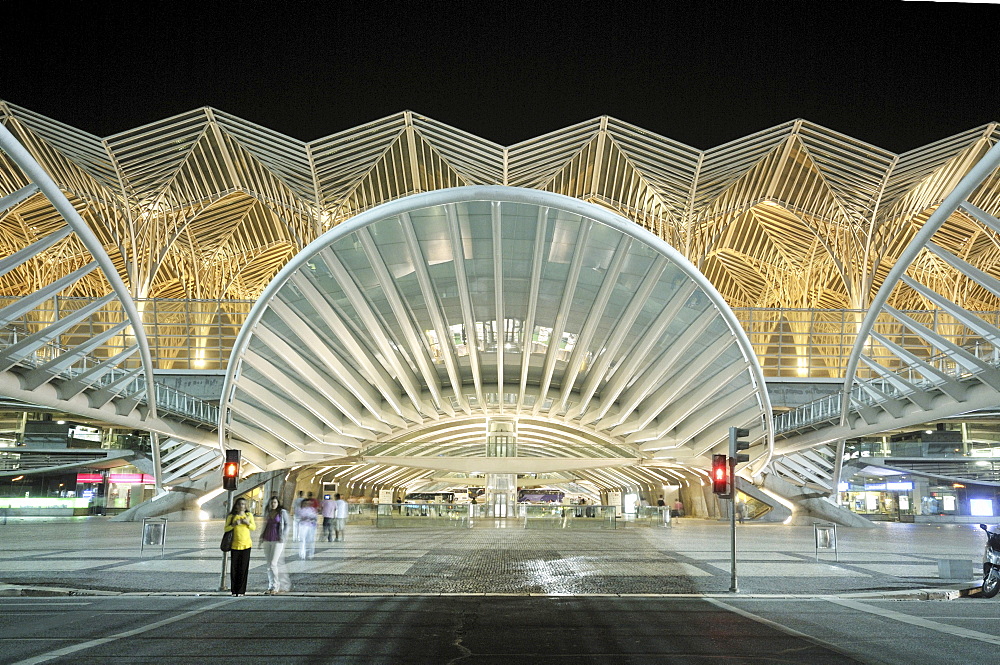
(827,408)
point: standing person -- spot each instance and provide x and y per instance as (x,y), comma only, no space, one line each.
(273,539)
(741,510)
(679,508)
(307,515)
(296,504)
(240,522)
(340,518)
(329,509)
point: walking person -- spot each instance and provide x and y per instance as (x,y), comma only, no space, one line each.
(741,510)
(276,530)
(340,518)
(240,522)
(296,504)
(329,510)
(307,515)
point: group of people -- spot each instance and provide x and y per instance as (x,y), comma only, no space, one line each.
(278,528)
(307,513)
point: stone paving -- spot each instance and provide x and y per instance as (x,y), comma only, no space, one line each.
(94,554)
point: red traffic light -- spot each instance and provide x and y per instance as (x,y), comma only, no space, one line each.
(720,474)
(231,470)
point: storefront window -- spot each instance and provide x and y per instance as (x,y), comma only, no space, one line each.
(114,489)
(878,498)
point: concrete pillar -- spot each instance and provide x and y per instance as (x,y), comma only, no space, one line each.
(920,490)
(695,505)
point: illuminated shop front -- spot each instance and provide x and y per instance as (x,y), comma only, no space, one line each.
(85,492)
(878,499)
(903,500)
(115,489)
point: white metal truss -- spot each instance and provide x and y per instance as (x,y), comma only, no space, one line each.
(396,339)
(89,358)
(184,461)
(32,353)
(890,386)
(207,206)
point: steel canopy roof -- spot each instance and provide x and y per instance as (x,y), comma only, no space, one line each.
(405,332)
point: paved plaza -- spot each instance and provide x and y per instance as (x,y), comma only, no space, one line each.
(93,554)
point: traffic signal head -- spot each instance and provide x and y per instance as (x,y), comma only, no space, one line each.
(231,470)
(736,444)
(720,474)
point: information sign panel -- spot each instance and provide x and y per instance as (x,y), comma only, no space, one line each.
(825,538)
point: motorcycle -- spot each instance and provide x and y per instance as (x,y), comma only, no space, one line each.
(991,563)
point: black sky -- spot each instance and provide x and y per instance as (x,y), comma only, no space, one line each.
(898,75)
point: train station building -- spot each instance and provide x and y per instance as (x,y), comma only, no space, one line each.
(403,308)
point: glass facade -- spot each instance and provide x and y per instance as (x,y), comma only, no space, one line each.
(948,470)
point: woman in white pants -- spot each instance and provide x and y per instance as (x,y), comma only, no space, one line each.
(276,529)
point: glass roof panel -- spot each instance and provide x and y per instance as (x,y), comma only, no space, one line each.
(612,315)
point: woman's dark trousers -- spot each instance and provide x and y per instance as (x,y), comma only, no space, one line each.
(239,570)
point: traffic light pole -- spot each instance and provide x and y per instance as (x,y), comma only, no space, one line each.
(230,482)
(736,444)
(225,555)
(732,524)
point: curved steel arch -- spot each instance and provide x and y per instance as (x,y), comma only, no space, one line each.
(887,385)
(331,358)
(41,182)
(956,199)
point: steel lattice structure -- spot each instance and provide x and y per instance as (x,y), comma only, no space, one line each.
(207,206)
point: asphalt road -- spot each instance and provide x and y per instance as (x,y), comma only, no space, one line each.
(495,629)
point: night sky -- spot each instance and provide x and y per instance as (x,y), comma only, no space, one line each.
(897,75)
